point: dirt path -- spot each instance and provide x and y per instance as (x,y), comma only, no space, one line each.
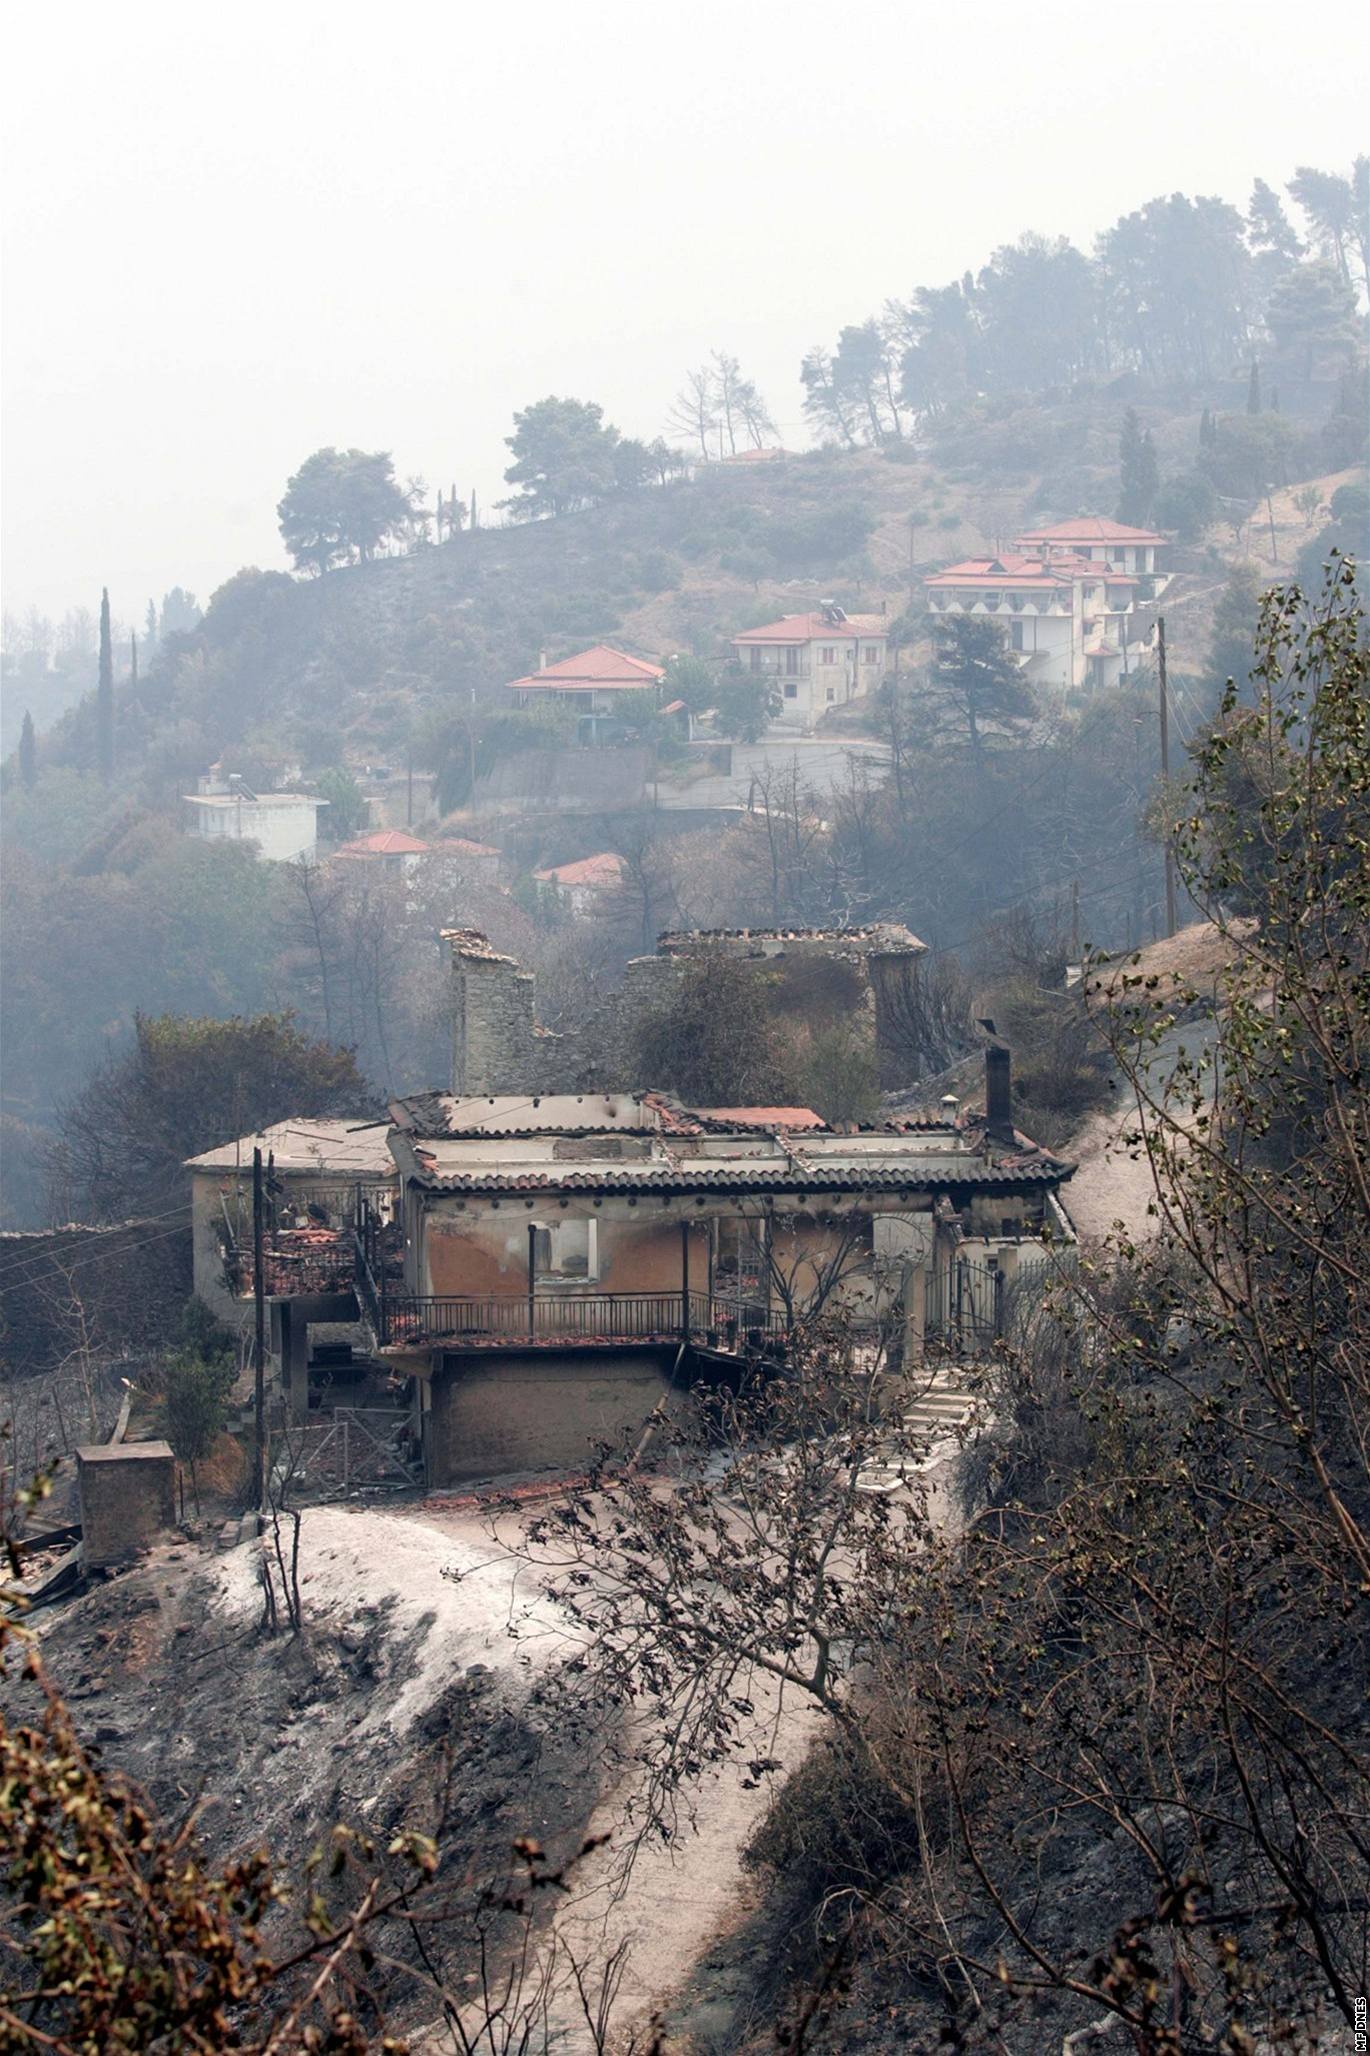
(1113,1181)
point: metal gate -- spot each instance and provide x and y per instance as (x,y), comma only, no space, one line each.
(965,1307)
(352,1447)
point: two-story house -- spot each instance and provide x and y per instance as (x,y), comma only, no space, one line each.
(1097,540)
(817,661)
(1069,620)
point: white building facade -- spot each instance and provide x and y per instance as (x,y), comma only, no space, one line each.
(817,661)
(283,825)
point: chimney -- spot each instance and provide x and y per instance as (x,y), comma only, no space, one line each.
(998,1093)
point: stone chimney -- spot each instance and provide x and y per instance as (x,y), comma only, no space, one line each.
(999,1093)
(493,1045)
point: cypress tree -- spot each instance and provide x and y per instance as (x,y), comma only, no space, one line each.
(1253,390)
(133,660)
(1141,479)
(1205,429)
(28,753)
(104,696)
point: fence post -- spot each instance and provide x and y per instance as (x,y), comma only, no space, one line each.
(998,1302)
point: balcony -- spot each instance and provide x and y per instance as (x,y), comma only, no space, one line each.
(296,1263)
(580,1320)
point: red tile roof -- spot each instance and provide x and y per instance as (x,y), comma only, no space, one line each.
(1000,571)
(1090,528)
(386,842)
(763,1117)
(458,846)
(813,627)
(604,869)
(593,670)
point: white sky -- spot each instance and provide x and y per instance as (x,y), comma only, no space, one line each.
(236,233)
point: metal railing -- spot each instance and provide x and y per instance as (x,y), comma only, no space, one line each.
(499,1320)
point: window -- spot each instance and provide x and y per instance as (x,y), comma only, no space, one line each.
(871,654)
(832,694)
(827,655)
(1016,632)
(568,1249)
(792,662)
(755,657)
(791,689)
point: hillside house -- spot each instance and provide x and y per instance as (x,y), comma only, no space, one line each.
(1097,540)
(817,661)
(594,683)
(1070,621)
(283,825)
(395,851)
(388,850)
(582,885)
(636,1229)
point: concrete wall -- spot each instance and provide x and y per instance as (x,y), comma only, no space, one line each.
(496,1416)
(128,1494)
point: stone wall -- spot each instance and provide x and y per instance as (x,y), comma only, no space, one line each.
(497,1046)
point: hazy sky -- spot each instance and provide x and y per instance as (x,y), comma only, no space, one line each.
(234,234)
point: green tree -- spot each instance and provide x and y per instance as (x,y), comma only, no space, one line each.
(1268,227)
(347,813)
(1311,316)
(1329,201)
(690,679)
(564,458)
(743,702)
(1140,474)
(28,753)
(104,696)
(195,1393)
(714,1041)
(341,505)
(1248,454)
(186,1086)
(1235,620)
(180,612)
(1186,506)
(975,694)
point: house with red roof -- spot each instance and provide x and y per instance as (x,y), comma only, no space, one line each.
(1098,540)
(386,849)
(1069,617)
(818,660)
(582,883)
(593,682)
(395,850)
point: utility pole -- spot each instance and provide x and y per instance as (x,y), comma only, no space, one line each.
(1165,771)
(259,1352)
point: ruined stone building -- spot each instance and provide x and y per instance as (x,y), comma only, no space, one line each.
(499,1047)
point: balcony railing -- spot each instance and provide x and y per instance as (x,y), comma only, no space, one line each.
(570,1319)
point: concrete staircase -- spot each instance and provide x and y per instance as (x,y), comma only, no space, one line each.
(946,1404)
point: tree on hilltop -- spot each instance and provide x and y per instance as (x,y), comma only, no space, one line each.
(564,458)
(341,505)
(1141,478)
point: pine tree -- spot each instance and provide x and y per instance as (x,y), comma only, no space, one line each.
(104,696)
(1141,477)
(28,753)
(133,661)
(1253,390)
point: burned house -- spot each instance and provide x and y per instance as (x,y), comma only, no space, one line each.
(557,1257)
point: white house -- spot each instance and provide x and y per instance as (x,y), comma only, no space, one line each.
(1070,620)
(1097,540)
(284,825)
(818,660)
(582,885)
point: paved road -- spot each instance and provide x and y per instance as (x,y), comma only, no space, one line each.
(1113,1182)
